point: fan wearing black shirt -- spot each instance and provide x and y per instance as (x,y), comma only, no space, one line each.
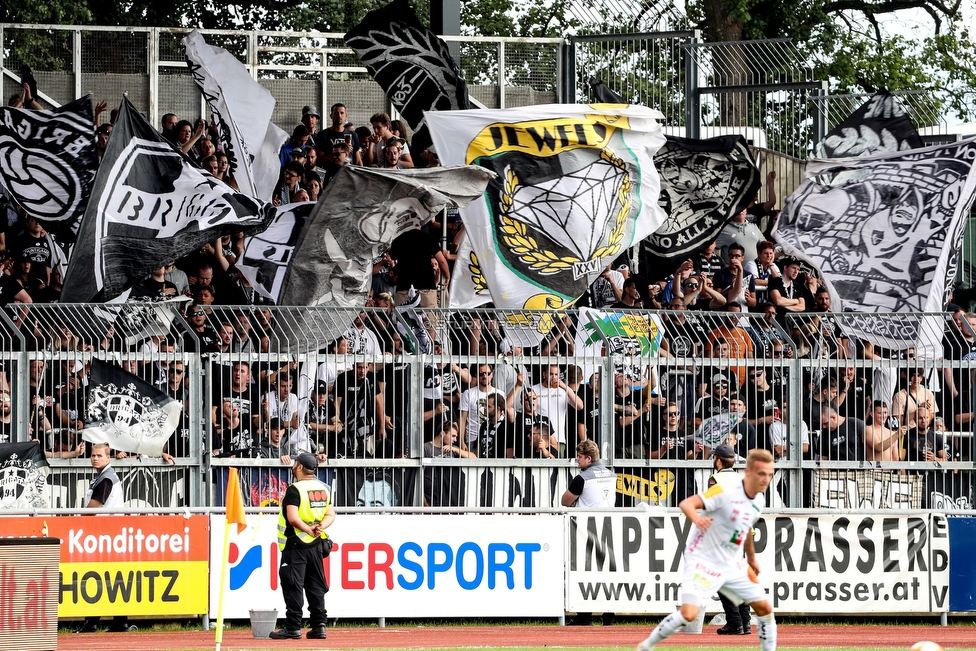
(324,427)
(155,286)
(236,413)
(494,432)
(520,442)
(360,407)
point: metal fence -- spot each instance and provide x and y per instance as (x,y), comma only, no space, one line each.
(483,410)
(298,68)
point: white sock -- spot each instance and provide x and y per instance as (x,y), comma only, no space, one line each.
(668,627)
(767,632)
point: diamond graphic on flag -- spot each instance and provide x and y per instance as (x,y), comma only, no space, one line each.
(554,206)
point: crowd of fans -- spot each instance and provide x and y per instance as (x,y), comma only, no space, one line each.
(729,319)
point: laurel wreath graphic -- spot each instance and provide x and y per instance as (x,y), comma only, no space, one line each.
(477,276)
(514,233)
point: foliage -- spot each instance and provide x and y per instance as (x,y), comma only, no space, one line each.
(860,45)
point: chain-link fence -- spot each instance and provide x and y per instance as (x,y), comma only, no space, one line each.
(484,409)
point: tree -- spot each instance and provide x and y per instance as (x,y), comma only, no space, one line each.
(857,45)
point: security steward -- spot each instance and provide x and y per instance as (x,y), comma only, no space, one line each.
(306,512)
(738,619)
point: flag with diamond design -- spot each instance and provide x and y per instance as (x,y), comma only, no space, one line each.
(575,187)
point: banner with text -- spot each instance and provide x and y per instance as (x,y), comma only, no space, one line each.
(131,565)
(408,566)
(809,564)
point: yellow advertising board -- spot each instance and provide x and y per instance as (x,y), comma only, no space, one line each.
(126,565)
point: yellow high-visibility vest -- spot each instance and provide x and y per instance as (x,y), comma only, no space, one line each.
(312,509)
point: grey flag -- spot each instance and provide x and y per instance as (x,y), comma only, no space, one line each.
(359,215)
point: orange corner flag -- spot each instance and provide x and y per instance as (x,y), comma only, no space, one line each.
(235,502)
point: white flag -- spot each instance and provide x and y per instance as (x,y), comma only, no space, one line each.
(242,109)
(576,186)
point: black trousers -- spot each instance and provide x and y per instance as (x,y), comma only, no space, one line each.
(301,571)
(740,615)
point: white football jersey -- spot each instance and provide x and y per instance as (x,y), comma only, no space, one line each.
(733,514)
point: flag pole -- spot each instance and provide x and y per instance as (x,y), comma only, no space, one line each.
(223,585)
(234,503)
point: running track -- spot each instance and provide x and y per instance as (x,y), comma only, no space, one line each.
(393,637)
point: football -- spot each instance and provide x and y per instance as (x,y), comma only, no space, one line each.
(926,646)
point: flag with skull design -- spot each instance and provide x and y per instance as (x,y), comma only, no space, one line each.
(885,230)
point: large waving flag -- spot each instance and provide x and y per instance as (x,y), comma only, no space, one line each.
(149,205)
(127,412)
(242,109)
(411,63)
(48,161)
(328,262)
(704,183)
(575,187)
(886,229)
(880,124)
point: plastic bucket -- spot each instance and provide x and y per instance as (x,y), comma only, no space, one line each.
(263,622)
(696,624)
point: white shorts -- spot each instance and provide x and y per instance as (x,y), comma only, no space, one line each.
(703,579)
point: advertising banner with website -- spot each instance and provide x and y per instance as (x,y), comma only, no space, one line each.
(407,566)
(126,565)
(809,564)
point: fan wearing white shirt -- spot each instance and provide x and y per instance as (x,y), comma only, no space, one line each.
(474,406)
(282,403)
(555,400)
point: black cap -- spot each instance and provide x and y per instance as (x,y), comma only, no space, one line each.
(395,140)
(723,451)
(322,387)
(308,461)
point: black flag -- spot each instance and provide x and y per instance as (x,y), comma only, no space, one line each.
(411,63)
(603,93)
(704,183)
(48,161)
(23,475)
(880,124)
(149,205)
(127,412)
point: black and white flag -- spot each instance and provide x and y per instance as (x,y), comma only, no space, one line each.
(411,63)
(23,476)
(267,254)
(704,183)
(356,219)
(149,205)
(886,232)
(881,124)
(127,412)
(143,317)
(48,161)
(242,109)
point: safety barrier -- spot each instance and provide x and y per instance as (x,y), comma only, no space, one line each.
(627,561)
(370,389)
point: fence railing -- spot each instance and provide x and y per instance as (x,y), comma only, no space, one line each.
(298,68)
(854,417)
